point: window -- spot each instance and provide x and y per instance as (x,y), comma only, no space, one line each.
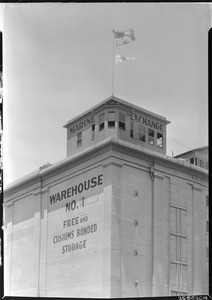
(111,124)
(121,121)
(192,160)
(206,165)
(142,133)
(177,293)
(178,220)
(101,122)
(196,161)
(151,135)
(201,163)
(111,119)
(93,131)
(178,248)
(101,126)
(159,140)
(79,139)
(131,129)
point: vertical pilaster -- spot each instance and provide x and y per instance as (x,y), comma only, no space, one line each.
(112,176)
(196,241)
(152,173)
(161,240)
(36,243)
(166,197)
(107,242)
(43,243)
(205,290)
(199,232)
(190,197)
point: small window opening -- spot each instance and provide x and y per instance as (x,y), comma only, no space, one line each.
(93,131)
(142,133)
(101,126)
(121,125)
(111,124)
(159,140)
(201,163)
(131,129)
(101,122)
(192,160)
(151,135)
(111,119)
(121,121)
(79,139)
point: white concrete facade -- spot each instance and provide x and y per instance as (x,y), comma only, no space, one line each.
(113,220)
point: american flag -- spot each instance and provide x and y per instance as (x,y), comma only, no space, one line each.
(124,37)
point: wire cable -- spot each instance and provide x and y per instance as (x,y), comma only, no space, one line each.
(178,142)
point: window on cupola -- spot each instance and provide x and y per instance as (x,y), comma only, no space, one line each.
(121,121)
(111,119)
(151,135)
(101,122)
(79,139)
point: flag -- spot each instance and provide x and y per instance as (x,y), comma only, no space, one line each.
(124,37)
(122,59)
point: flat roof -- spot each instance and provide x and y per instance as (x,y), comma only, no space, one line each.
(42,172)
(193,150)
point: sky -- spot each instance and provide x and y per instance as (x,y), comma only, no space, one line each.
(58,62)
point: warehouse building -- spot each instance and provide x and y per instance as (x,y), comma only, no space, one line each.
(116,218)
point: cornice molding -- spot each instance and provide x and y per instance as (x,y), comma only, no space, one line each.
(65,164)
(196,188)
(109,146)
(40,192)
(159,159)
(158,176)
(9,204)
(112,163)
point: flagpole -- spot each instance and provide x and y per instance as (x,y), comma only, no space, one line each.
(113,66)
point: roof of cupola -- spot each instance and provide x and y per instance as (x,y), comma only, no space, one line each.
(116,102)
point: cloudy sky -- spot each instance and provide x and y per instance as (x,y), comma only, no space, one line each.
(58,63)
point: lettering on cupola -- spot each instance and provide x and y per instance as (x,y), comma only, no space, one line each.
(82,124)
(146,121)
